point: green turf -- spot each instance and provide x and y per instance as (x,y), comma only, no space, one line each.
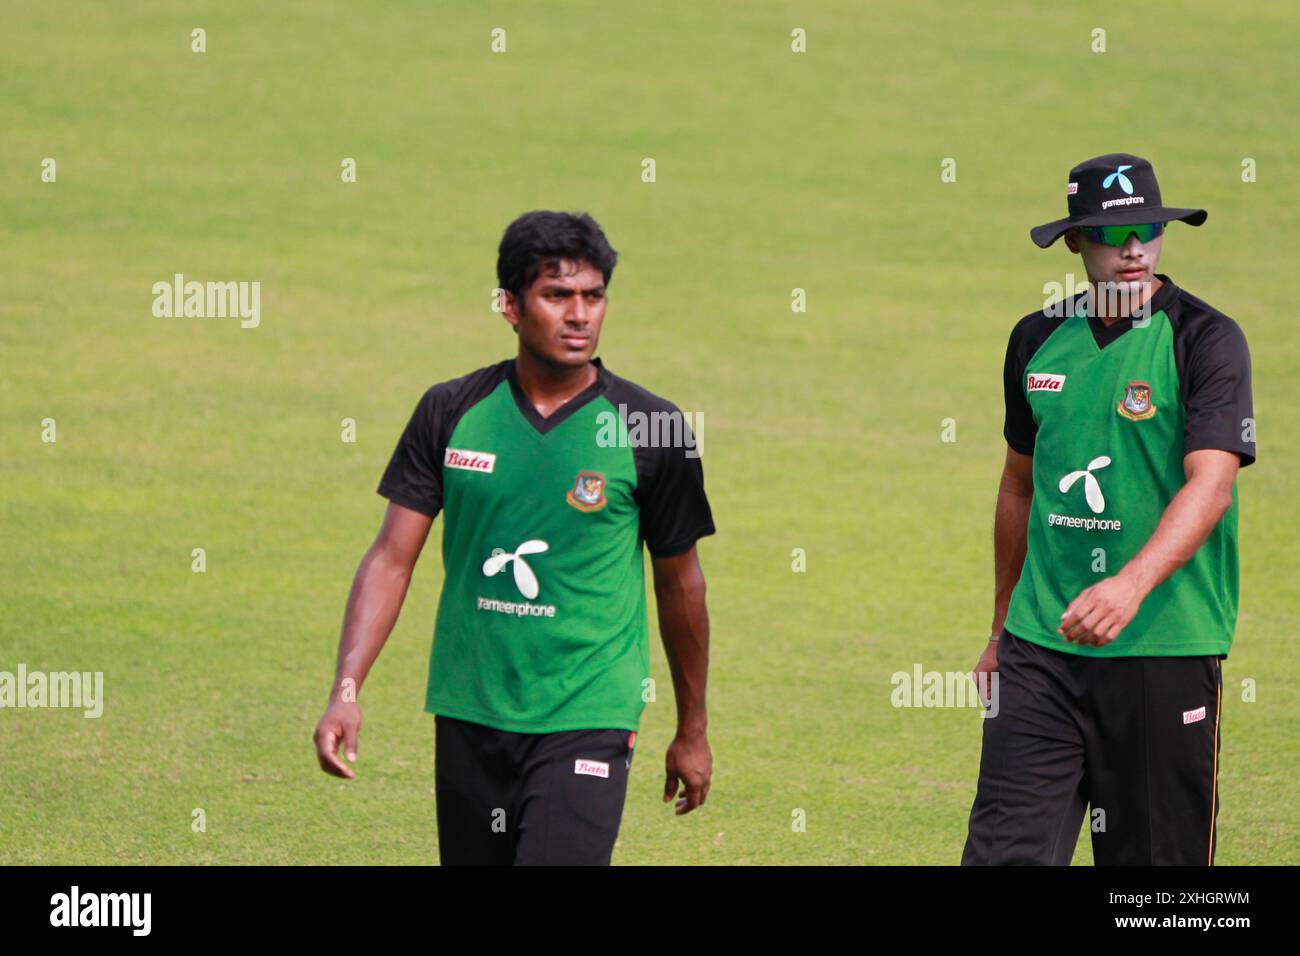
(774,171)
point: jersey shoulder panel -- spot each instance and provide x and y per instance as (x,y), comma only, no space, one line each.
(413,477)
(675,510)
(456,396)
(1193,318)
(1029,334)
(1027,337)
(622,391)
(656,415)
(1214,377)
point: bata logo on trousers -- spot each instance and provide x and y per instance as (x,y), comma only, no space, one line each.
(592,768)
(1192,716)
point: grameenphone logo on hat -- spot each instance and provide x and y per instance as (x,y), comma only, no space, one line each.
(1118,176)
(1125,184)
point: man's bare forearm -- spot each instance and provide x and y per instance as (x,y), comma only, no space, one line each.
(378,591)
(1186,523)
(684,627)
(1010,528)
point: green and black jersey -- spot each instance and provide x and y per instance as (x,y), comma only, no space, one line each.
(542,623)
(1108,413)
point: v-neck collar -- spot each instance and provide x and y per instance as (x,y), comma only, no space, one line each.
(557,417)
(1104,335)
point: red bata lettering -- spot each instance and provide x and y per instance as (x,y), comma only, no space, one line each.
(466,461)
(470,460)
(1045,383)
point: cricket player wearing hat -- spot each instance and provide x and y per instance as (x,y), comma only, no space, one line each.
(1128,415)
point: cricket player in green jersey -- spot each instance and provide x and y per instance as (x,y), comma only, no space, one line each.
(552,474)
(1128,415)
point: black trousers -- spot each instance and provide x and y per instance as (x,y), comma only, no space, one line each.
(509,798)
(1133,742)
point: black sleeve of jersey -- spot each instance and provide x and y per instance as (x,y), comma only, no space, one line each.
(413,478)
(1217,394)
(669,490)
(1018,427)
(675,512)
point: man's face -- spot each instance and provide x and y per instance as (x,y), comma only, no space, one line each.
(1132,264)
(559,319)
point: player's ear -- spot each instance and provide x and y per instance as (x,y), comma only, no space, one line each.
(510,308)
(1072,239)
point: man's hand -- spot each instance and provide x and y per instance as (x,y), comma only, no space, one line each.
(378,590)
(340,725)
(986,665)
(690,762)
(1100,612)
(684,625)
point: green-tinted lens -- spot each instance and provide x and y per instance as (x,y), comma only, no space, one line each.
(1118,235)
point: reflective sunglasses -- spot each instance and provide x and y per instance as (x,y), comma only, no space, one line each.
(1118,235)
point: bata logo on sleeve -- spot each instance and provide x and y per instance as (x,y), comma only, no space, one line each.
(470,460)
(592,768)
(1045,382)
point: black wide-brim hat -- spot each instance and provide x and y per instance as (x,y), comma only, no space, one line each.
(1117,189)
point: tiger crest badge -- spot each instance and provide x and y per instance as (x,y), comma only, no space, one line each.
(1137,401)
(588,491)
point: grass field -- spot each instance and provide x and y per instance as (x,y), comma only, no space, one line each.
(774,171)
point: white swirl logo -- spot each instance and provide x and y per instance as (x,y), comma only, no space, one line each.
(1091,490)
(525,579)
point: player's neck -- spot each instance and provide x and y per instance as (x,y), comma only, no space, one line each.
(1124,307)
(548,387)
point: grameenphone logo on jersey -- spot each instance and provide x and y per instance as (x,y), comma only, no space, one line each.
(525,580)
(1094,498)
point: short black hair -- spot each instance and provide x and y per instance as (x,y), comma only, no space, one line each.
(540,239)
